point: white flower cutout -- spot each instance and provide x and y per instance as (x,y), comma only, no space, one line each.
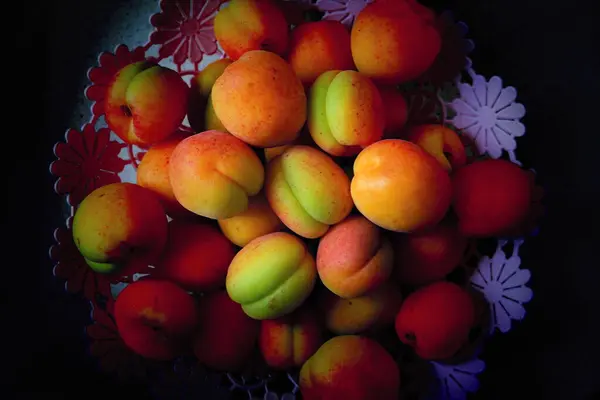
(456,381)
(502,282)
(344,11)
(488,114)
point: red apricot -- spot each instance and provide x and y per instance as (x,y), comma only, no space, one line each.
(435,320)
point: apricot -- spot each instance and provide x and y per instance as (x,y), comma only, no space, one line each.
(196,256)
(246,25)
(400,187)
(226,336)
(271,276)
(201,112)
(427,256)
(435,320)
(153,174)
(441,142)
(375,309)
(307,190)
(303,139)
(351,368)
(213,174)
(145,103)
(155,318)
(345,113)
(119,227)
(394,41)
(258,220)
(491,197)
(353,257)
(289,341)
(318,47)
(396,111)
(260,100)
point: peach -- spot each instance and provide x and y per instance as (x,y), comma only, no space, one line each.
(145,103)
(441,142)
(153,174)
(308,191)
(394,41)
(201,113)
(375,309)
(258,220)
(491,197)
(196,256)
(318,47)
(289,341)
(396,111)
(155,318)
(213,174)
(246,25)
(260,100)
(271,276)
(435,320)
(427,256)
(345,113)
(118,225)
(354,258)
(400,187)
(351,368)
(226,336)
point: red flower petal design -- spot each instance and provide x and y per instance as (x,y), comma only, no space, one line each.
(71,267)
(86,161)
(108,66)
(184,29)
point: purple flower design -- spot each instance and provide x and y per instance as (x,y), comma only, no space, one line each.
(455,381)
(488,114)
(344,11)
(502,282)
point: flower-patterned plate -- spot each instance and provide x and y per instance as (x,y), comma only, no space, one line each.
(180,36)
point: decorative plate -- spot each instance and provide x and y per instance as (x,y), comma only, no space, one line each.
(179,34)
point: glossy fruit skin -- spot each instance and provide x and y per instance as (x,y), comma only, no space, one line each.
(490,197)
(435,320)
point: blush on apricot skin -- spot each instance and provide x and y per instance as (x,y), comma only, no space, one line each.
(185,261)
(153,174)
(441,142)
(353,257)
(213,174)
(226,336)
(490,197)
(435,320)
(289,341)
(155,318)
(245,26)
(351,368)
(318,47)
(427,256)
(394,41)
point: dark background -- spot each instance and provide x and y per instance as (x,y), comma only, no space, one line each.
(547,50)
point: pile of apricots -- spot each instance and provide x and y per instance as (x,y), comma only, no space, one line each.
(304,216)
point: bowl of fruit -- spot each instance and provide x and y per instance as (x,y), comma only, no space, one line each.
(296,199)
